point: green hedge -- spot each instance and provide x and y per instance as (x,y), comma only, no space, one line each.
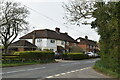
(103,67)
(35,55)
(75,56)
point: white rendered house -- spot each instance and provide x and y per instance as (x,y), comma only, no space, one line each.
(49,39)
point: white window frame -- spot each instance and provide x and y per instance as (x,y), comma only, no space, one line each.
(62,42)
(52,41)
(39,40)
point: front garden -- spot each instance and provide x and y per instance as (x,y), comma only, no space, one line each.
(27,57)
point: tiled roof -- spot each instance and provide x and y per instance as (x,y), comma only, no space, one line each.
(89,42)
(22,43)
(50,34)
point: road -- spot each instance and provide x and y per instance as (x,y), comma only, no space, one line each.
(51,70)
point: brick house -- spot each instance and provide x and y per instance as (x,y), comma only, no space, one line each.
(87,45)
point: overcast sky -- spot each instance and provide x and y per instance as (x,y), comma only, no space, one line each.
(48,14)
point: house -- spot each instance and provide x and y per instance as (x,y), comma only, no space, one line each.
(87,45)
(21,45)
(49,39)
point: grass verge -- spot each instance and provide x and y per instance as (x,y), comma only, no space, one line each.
(13,64)
(100,68)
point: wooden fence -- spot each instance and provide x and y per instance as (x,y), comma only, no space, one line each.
(10,57)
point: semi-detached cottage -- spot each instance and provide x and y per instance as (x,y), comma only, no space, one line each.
(49,39)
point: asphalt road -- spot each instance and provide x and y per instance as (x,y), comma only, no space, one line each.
(41,71)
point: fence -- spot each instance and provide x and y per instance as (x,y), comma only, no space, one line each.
(11,58)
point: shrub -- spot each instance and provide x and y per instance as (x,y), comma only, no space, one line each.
(103,67)
(35,55)
(75,56)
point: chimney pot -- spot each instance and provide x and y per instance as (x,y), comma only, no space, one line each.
(66,33)
(86,37)
(57,29)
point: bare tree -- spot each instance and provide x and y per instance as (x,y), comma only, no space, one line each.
(12,22)
(78,11)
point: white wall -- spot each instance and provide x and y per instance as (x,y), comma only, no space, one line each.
(44,43)
(51,45)
(58,43)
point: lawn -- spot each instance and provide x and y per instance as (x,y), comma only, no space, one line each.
(12,64)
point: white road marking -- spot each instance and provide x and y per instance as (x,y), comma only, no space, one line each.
(57,75)
(49,77)
(76,70)
(35,68)
(63,73)
(15,71)
(23,70)
(72,71)
(67,72)
(1,73)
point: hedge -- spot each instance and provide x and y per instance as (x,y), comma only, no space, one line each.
(100,65)
(35,55)
(75,56)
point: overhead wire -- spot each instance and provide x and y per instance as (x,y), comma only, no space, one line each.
(51,19)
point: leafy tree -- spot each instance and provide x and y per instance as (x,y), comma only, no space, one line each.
(107,23)
(12,21)
(108,27)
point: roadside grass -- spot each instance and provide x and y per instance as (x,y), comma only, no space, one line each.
(100,68)
(13,64)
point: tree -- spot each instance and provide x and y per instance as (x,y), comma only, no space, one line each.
(108,28)
(12,22)
(78,12)
(107,23)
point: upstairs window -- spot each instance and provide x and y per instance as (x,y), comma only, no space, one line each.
(62,43)
(52,41)
(39,40)
(67,43)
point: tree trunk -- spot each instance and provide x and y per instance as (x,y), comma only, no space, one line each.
(5,49)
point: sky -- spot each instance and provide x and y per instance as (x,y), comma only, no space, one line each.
(48,14)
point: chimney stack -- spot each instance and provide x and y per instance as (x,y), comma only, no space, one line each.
(86,37)
(57,29)
(66,33)
(34,37)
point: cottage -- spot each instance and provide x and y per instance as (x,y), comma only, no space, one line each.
(49,39)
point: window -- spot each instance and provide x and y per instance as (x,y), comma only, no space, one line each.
(51,49)
(62,42)
(39,40)
(52,41)
(67,43)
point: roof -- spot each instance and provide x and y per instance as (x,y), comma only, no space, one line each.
(50,34)
(22,43)
(88,41)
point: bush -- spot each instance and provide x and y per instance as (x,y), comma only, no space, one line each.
(35,55)
(103,67)
(75,56)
